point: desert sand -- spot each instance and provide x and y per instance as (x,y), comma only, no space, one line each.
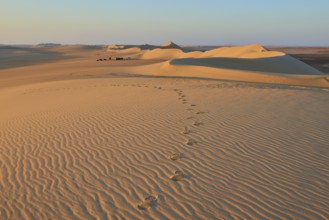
(167,133)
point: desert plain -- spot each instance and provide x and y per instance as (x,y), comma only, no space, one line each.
(164,132)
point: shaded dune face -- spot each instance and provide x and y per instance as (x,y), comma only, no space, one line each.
(281,65)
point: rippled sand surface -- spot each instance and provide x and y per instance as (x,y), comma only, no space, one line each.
(143,148)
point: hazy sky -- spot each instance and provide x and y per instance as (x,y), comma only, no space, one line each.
(187,22)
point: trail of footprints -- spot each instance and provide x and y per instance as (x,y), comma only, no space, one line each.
(178,175)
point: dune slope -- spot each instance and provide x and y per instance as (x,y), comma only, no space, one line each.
(101,148)
(282,64)
(144,139)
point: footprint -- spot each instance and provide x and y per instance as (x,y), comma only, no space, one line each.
(199,112)
(148,202)
(190,142)
(178,175)
(193,105)
(175,156)
(186,130)
(197,123)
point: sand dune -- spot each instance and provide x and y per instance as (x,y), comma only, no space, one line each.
(145,139)
(162,54)
(74,149)
(252,63)
(248,51)
(170,44)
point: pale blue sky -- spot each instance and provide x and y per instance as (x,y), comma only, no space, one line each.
(187,22)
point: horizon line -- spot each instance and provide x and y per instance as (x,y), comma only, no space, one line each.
(182,45)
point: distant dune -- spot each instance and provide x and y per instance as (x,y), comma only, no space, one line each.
(252,63)
(48,45)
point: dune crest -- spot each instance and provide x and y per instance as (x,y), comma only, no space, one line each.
(248,51)
(170,44)
(171,50)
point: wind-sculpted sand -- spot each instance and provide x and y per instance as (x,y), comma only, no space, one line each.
(82,139)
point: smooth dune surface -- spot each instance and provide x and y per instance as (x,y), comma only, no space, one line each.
(148,139)
(280,65)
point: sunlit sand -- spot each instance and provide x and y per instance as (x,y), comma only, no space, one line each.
(165,133)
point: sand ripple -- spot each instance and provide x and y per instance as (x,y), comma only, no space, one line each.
(99,148)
